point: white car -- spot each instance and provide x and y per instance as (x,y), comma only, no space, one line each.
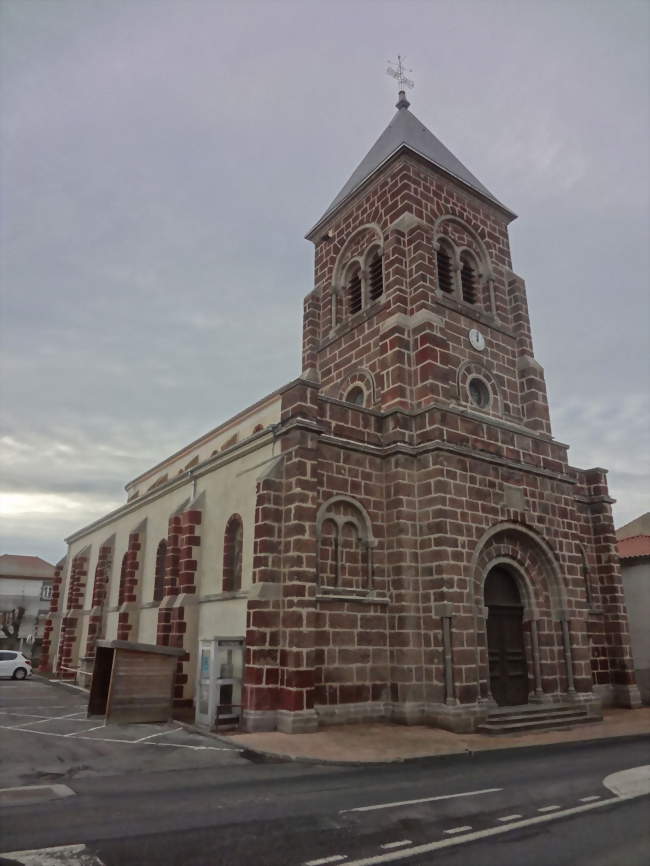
(14,664)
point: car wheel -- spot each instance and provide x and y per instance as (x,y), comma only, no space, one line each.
(19,674)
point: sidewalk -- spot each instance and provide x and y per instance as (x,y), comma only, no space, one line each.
(385,742)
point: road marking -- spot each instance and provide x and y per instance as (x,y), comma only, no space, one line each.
(85,730)
(421,800)
(186,746)
(391,856)
(549,808)
(396,844)
(458,829)
(54,719)
(17,713)
(70,685)
(33,794)
(159,734)
(629,783)
(335,858)
(589,799)
(70,855)
(113,740)
(510,817)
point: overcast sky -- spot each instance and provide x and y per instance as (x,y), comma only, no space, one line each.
(161,162)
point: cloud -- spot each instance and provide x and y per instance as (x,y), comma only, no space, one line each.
(161,161)
(614,434)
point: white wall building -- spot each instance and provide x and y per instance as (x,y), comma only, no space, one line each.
(25,583)
(634,552)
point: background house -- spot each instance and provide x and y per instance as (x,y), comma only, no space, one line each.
(634,551)
(25,592)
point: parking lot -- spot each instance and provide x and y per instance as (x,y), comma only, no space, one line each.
(46,736)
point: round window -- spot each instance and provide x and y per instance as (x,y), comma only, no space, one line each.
(356,395)
(479,393)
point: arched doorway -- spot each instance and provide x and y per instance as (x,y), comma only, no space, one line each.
(505,636)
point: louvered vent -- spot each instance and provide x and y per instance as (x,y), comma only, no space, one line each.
(354,294)
(445,281)
(468,283)
(376,278)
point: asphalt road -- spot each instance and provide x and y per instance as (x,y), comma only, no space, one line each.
(547,807)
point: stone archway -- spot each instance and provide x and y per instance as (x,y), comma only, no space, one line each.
(535,573)
(505,638)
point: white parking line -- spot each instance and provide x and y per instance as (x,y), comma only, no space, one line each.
(549,808)
(420,800)
(70,685)
(114,740)
(84,731)
(389,845)
(464,829)
(510,817)
(53,719)
(196,748)
(589,799)
(159,734)
(38,702)
(16,713)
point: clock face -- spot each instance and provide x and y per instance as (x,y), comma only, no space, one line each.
(477,339)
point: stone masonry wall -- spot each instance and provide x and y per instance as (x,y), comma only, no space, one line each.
(53,618)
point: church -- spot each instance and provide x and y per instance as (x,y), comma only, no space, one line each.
(395,534)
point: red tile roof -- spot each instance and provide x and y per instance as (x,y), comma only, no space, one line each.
(27,567)
(636,545)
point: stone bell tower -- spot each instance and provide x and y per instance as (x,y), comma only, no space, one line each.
(432,554)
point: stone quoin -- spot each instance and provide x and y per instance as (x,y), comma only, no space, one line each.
(395,533)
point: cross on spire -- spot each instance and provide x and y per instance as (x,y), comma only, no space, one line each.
(398,71)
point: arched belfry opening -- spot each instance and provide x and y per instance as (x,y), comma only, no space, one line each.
(505,637)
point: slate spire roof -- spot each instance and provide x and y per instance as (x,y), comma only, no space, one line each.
(406,131)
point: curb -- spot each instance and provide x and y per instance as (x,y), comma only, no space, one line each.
(195,729)
(260,756)
(70,687)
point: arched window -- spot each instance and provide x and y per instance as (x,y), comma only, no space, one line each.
(468,279)
(344,545)
(355,299)
(356,395)
(479,393)
(375,277)
(445,270)
(159,580)
(123,575)
(233,543)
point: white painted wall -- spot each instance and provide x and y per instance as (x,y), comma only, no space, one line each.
(19,592)
(228,487)
(636,583)
(242,427)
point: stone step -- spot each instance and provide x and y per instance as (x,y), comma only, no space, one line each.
(539,724)
(531,717)
(533,709)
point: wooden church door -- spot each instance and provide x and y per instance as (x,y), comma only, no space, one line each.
(505,637)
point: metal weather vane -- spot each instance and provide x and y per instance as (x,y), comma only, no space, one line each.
(398,71)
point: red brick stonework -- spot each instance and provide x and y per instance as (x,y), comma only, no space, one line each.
(96,620)
(128,587)
(177,611)
(380,522)
(71,621)
(47,648)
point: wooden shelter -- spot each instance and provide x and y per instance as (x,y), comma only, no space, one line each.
(133,682)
